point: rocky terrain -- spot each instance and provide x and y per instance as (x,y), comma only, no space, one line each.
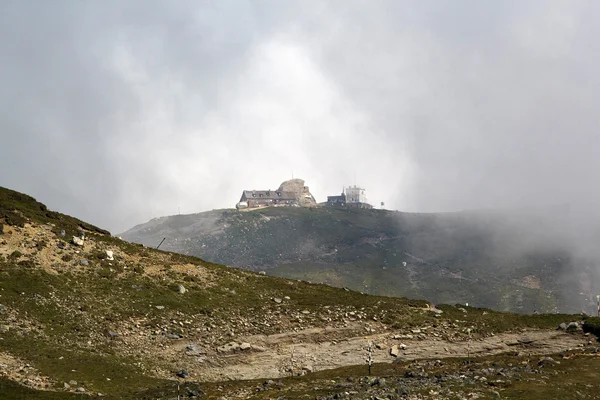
(511,261)
(84,314)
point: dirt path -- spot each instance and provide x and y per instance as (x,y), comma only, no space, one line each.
(315,355)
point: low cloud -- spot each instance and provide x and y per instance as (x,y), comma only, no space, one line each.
(120,112)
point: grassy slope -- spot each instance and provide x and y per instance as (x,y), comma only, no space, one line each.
(16,208)
(477,258)
(54,316)
(573,378)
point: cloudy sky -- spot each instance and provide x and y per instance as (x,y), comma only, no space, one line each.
(120,111)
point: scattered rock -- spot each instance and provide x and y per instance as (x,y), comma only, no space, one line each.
(109,255)
(84,263)
(181,289)
(525,340)
(572,327)
(111,334)
(193,349)
(228,348)
(183,374)
(262,273)
(73,383)
(77,241)
(562,326)
(160,307)
(277,300)
(403,337)
(66,386)
(547,361)
(194,392)
(378,382)
(62,233)
(394,351)
(80,390)
(175,336)
(245,346)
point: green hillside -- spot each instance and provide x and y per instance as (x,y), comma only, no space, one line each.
(504,260)
(109,319)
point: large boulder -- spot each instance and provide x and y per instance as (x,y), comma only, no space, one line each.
(305,198)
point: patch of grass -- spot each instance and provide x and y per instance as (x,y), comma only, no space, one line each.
(12,390)
(514,377)
(26,264)
(98,254)
(487,321)
(88,369)
(592,325)
(16,208)
(468,257)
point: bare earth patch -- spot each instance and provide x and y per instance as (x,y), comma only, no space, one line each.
(312,351)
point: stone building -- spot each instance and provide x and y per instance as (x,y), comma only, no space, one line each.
(291,193)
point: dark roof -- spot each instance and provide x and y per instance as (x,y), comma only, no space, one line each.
(268,194)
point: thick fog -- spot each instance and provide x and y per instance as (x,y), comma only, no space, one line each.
(120,111)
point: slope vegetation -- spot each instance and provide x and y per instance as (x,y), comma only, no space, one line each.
(506,261)
(106,318)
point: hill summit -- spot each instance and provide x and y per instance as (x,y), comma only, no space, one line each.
(508,261)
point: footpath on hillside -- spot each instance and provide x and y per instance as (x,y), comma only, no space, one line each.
(317,349)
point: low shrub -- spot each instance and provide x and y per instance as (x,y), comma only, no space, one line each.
(592,325)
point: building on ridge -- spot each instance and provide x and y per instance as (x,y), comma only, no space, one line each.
(291,193)
(263,198)
(352,196)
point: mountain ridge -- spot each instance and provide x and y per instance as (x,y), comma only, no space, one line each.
(458,257)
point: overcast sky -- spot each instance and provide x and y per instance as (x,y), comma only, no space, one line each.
(120,111)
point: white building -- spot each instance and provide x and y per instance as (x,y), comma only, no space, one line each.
(355,194)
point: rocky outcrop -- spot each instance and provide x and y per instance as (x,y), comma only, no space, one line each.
(305,198)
